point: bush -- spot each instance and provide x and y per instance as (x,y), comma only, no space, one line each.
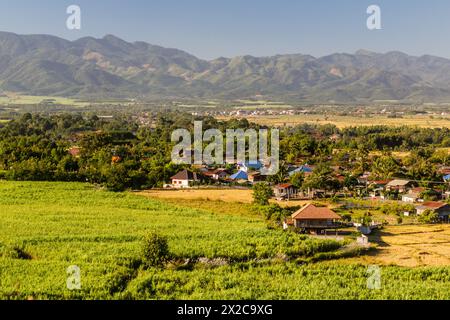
(262,192)
(428,216)
(271,212)
(155,250)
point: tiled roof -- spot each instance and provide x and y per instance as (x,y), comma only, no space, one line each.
(398,183)
(311,212)
(434,204)
(283,186)
(186,175)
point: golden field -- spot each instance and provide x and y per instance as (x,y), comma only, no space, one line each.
(424,121)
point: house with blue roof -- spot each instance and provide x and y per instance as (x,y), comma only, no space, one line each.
(240,175)
(250,166)
(301,169)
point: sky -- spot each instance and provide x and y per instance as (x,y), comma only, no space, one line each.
(210,28)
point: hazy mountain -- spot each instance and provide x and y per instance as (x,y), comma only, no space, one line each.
(112,67)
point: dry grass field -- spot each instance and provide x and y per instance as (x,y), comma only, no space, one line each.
(224,195)
(410,246)
(228,196)
(423,121)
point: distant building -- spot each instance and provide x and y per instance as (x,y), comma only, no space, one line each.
(411,197)
(240,175)
(185,179)
(441,208)
(401,185)
(217,174)
(302,169)
(250,166)
(316,219)
(285,191)
(254,177)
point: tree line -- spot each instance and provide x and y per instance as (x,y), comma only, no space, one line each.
(120,153)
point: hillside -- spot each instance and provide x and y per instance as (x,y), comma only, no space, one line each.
(111,67)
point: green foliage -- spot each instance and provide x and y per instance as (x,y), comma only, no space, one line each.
(297,180)
(273,212)
(322,178)
(428,216)
(101,232)
(262,193)
(396,208)
(155,250)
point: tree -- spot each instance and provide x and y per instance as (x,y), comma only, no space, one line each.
(428,216)
(155,250)
(322,178)
(281,175)
(385,167)
(297,180)
(262,192)
(350,182)
(116,177)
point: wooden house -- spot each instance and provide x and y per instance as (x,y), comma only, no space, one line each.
(316,219)
(285,191)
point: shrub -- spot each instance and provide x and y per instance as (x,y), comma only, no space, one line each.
(262,192)
(428,216)
(155,250)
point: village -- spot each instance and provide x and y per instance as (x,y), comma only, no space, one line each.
(416,200)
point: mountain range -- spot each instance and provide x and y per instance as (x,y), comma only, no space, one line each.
(111,67)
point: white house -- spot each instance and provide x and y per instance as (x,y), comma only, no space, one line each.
(184,179)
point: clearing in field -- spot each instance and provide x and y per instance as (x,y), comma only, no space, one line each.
(230,196)
(225,195)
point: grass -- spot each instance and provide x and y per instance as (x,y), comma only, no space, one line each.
(31,100)
(347,121)
(47,227)
(224,195)
(413,245)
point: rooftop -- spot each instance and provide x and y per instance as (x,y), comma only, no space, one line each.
(186,175)
(311,212)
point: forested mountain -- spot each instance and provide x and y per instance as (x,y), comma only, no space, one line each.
(112,67)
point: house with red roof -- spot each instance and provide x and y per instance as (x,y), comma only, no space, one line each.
(284,191)
(316,219)
(441,208)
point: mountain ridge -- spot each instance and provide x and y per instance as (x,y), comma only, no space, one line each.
(113,67)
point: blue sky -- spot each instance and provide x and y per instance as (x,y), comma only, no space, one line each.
(211,28)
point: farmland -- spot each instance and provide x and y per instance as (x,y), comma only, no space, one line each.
(225,195)
(423,121)
(15,99)
(407,245)
(47,226)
